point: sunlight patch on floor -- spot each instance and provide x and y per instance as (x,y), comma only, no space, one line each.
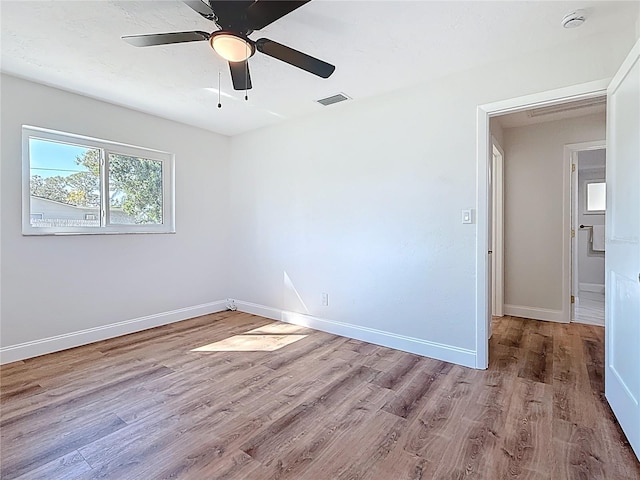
(278,328)
(250,343)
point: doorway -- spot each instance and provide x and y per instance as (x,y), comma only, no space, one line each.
(588,207)
(484,227)
(621,365)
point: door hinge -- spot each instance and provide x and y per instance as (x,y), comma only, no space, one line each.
(573,299)
(573,167)
(573,232)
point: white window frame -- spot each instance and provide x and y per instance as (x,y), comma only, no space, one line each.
(586,197)
(106,147)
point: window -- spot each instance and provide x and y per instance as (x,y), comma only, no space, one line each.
(596,196)
(81,185)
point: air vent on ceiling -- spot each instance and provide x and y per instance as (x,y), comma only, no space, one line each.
(340,97)
(567,107)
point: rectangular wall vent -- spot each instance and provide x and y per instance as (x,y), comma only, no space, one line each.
(340,97)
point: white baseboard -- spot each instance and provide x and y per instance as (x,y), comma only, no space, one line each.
(447,353)
(535,313)
(43,346)
(260,310)
(425,348)
(591,287)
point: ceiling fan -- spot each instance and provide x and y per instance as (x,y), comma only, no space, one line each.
(236,20)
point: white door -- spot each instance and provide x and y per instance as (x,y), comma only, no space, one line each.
(622,267)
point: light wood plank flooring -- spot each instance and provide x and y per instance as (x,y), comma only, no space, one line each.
(145,406)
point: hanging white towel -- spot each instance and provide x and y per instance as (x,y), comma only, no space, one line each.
(597,238)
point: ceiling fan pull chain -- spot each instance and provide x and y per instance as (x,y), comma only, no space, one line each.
(246,77)
(219,103)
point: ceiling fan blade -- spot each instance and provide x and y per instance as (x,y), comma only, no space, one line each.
(295,58)
(231,14)
(263,12)
(202,8)
(165,38)
(240,75)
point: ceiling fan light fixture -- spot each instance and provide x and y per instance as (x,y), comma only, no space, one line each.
(231,47)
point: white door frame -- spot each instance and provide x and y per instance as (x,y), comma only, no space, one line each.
(483,155)
(497,277)
(571,151)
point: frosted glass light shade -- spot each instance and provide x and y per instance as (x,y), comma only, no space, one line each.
(231,47)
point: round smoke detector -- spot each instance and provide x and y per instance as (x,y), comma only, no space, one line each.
(574,19)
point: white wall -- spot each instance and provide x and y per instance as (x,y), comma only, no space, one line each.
(363,201)
(590,265)
(57,285)
(533,206)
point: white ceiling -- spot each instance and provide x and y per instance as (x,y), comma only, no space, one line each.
(377,47)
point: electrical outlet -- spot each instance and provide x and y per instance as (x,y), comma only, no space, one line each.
(325,299)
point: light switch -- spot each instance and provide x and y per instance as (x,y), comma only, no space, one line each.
(467,216)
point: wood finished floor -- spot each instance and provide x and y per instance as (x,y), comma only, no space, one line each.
(144,406)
